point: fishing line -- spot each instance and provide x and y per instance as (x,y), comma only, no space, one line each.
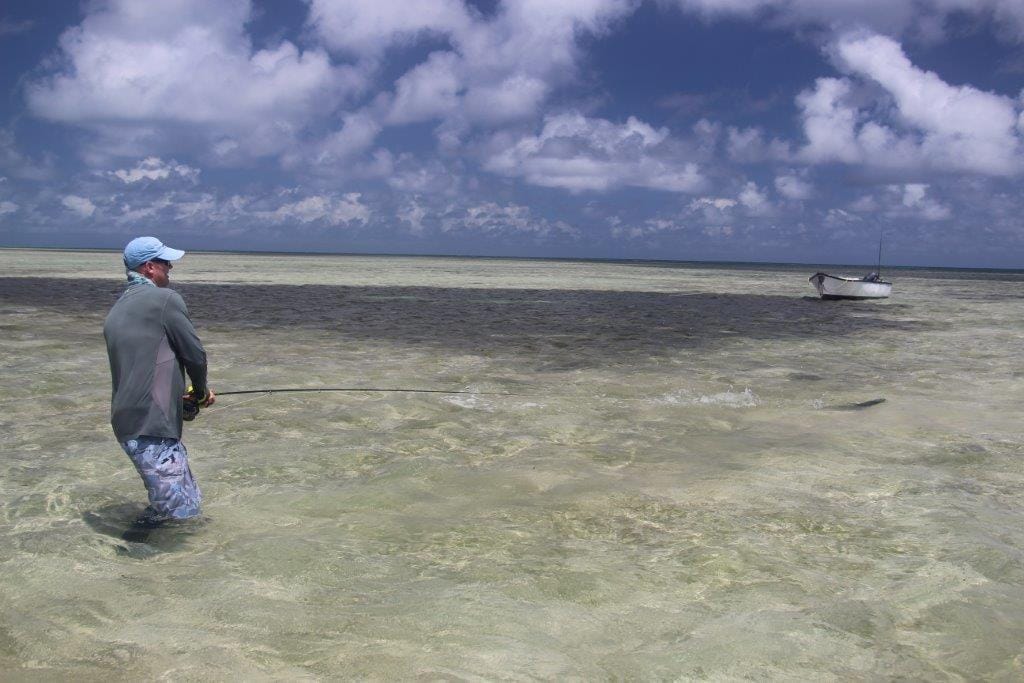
(289,390)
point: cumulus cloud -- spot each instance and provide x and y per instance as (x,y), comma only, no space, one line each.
(357,135)
(749,145)
(493,218)
(751,200)
(838,218)
(651,226)
(411,175)
(579,153)
(712,204)
(907,202)
(79,205)
(495,68)
(516,97)
(914,199)
(930,124)
(755,200)
(925,18)
(792,186)
(412,214)
(865,204)
(154,168)
(185,77)
(429,90)
(142,210)
(320,209)
(19,165)
(191,210)
(7,207)
(187,62)
(366,28)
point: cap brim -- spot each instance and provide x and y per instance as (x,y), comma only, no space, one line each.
(168,254)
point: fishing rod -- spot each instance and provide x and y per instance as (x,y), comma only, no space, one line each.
(190,406)
(361,389)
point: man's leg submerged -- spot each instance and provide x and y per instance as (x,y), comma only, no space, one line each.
(163,465)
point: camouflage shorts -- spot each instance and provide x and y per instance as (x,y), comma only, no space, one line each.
(163,465)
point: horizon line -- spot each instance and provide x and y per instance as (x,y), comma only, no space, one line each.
(604,259)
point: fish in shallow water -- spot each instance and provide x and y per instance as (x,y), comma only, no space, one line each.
(857,406)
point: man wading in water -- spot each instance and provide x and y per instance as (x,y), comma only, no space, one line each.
(151,344)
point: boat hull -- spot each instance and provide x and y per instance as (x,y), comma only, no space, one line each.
(837,287)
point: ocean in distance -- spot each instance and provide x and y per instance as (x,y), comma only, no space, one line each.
(659,471)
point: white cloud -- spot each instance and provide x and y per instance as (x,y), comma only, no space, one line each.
(19,165)
(713,210)
(835,218)
(160,65)
(963,127)
(516,97)
(196,210)
(925,18)
(751,201)
(358,132)
(429,90)
(793,187)
(320,209)
(755,201)
(649,227)
(498,68)
(865,204)
(139,212)
(80,205)
(492,218)
(7,207)
(578,153)
(154,168)
(748,145)
(932,125)
(915,199)
(829,123)
(431,178)
(712,203)
(905,202)
(413,214)
(367,28)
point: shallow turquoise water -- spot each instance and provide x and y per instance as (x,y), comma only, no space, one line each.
(673,490)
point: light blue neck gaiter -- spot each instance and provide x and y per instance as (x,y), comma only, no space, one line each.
(138,279)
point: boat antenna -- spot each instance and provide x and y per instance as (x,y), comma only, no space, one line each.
(878,267)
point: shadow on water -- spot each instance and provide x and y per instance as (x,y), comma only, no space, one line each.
(137,538)
(568,328)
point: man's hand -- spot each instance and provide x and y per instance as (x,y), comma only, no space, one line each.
(191,403)
(202,402)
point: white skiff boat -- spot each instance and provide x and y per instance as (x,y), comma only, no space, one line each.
(837,287)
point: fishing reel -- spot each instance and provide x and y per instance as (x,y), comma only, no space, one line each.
(190,405)
(189,409)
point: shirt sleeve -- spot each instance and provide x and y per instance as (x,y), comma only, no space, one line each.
(185,342)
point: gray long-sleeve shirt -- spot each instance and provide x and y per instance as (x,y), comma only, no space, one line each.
(151,343)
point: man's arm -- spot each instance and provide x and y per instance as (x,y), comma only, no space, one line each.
(185,343)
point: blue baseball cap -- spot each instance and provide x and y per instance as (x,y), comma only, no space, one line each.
(142,249)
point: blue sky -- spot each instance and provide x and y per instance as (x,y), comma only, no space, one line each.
(741,130)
